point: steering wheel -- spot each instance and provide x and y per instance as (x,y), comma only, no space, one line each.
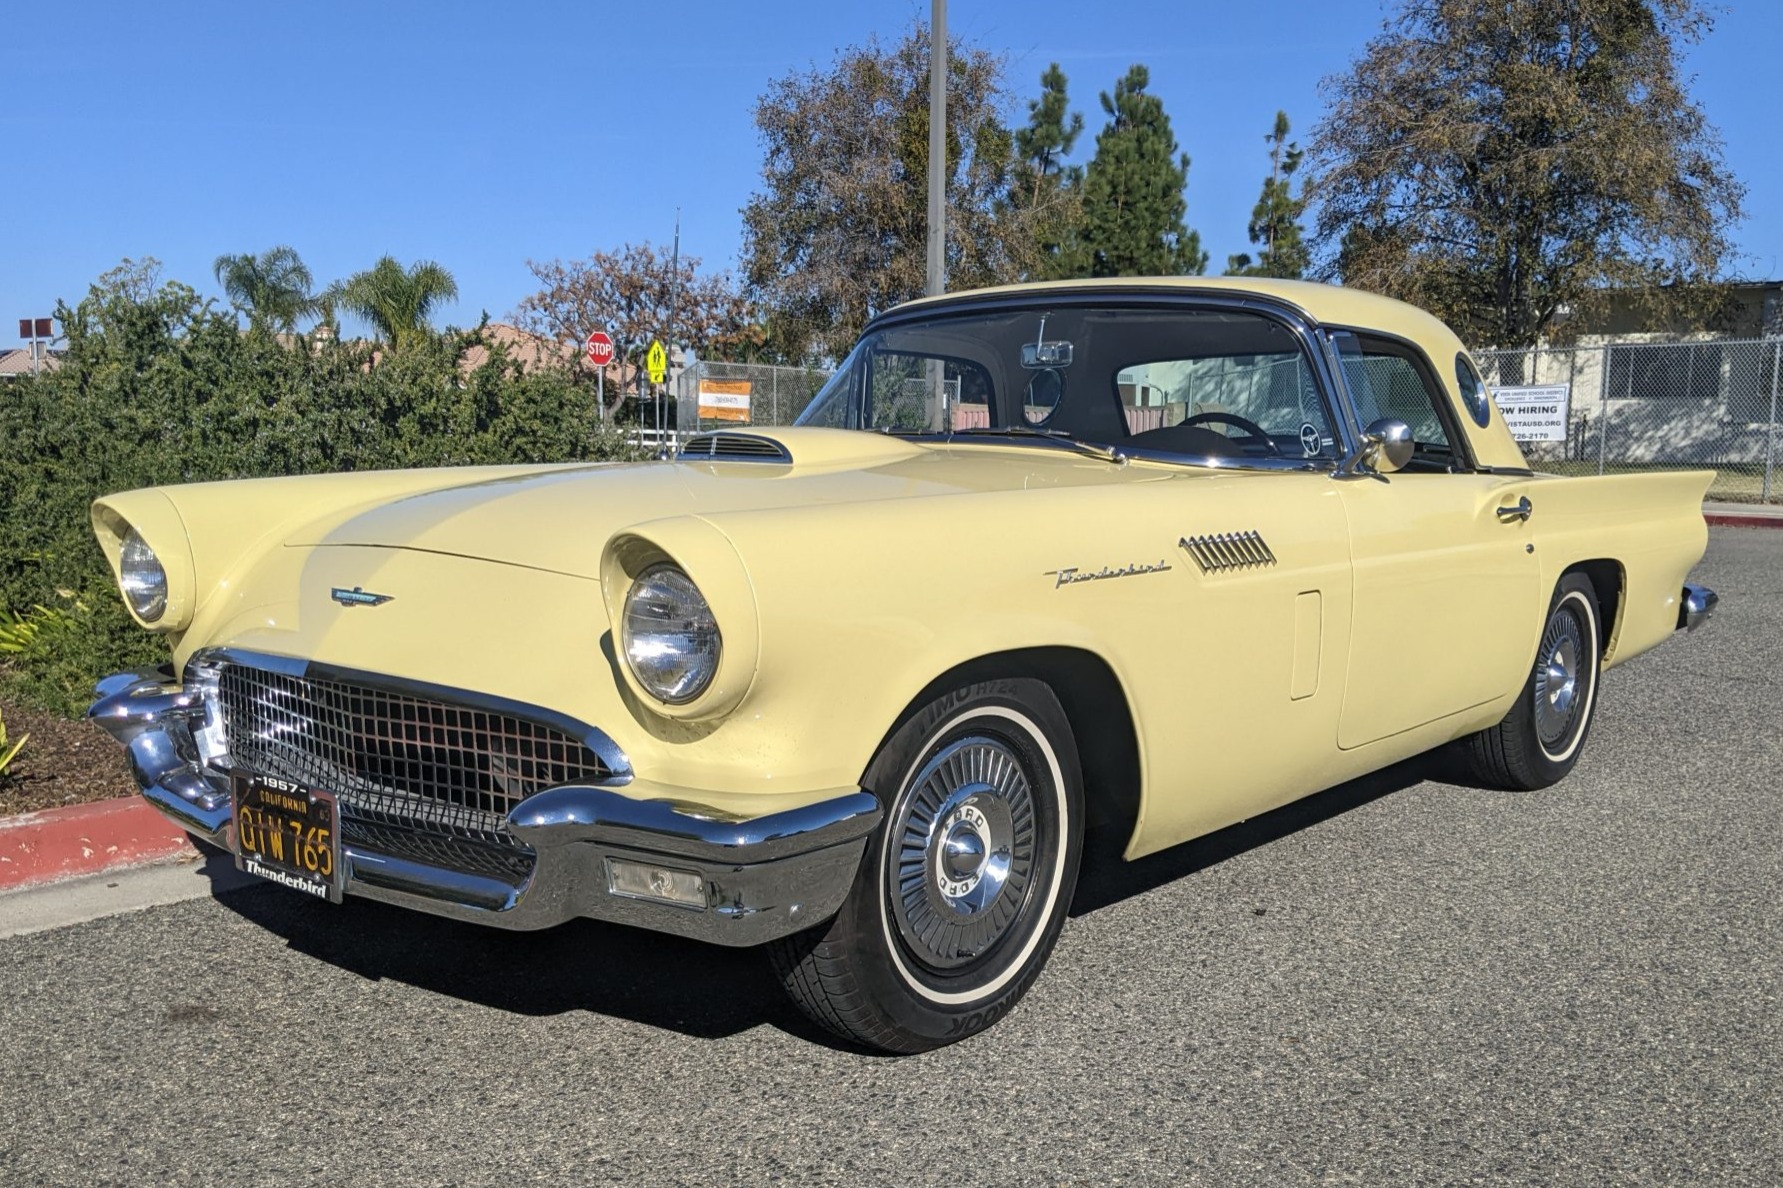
(1250,428)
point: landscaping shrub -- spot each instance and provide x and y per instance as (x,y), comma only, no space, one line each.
(9,750)
(158,386)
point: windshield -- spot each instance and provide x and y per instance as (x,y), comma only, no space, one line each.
(1198,382)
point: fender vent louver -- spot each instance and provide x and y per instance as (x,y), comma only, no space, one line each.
(734,447)
(1228,550)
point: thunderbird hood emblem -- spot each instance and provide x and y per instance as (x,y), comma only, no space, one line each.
(358,597)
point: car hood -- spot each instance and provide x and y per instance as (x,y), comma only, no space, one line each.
(561,518)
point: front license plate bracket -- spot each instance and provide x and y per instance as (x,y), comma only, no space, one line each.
(287,833)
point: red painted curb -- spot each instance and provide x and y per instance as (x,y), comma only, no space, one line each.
(1723,520)
(85,839)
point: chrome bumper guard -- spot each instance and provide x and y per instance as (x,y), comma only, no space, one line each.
(1695,607)
(760,878)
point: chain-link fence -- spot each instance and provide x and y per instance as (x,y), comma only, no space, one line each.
(1599,409)
(1649,406)
(720,395)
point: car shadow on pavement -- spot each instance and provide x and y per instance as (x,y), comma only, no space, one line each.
(701,990)
(1107,879)
(706,991)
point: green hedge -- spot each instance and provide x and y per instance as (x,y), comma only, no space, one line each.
(160,387)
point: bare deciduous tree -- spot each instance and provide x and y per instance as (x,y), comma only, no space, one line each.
(632,294)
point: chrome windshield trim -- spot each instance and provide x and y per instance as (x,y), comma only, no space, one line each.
(1297,321)
(596,740)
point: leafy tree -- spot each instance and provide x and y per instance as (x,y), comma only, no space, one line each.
(634,294)
(1497,163)
(1275,220)
(1046,189)
(396,301)
(1133,197)
(272,289)
(837,231)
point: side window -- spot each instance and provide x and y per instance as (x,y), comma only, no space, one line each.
(1233,395)
(1473,391)
(1387,379)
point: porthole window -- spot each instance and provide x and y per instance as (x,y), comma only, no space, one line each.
(1473,391)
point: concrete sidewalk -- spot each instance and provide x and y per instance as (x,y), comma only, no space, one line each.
(1743,515)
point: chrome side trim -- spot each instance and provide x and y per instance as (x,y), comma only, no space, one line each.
(1228,551)
(1695,607)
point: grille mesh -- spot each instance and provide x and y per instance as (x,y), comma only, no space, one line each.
(417,778)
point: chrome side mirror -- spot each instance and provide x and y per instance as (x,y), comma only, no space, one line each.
(1387,445)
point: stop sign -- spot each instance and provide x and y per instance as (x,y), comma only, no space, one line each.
(600,348)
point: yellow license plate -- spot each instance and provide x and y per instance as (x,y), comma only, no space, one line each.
(289,834)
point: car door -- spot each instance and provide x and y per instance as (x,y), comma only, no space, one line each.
(1445,580)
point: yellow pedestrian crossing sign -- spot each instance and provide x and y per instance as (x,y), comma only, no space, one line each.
(657,362)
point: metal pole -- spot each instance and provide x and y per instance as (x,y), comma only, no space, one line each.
(937,262)
(662,414)
(1770,433)
(1603,413)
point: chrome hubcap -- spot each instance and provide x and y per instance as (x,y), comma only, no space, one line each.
(1559,679)
(962,851)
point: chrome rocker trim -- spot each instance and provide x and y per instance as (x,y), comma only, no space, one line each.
(762,877)
(1695,606)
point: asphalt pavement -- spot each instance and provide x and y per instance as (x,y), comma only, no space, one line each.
(1399,981)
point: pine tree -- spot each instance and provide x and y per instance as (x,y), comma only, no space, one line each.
(1275,220)
(1133,191)
(1046,191)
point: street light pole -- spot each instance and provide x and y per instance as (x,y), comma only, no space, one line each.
(937,255)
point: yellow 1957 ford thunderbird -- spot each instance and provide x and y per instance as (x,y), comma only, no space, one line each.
(1138,557)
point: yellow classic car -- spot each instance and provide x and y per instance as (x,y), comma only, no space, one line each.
(1120,560)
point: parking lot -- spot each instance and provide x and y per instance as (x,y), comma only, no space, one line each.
(1398,981)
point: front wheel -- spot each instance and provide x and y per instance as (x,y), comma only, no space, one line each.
(965,885)
(1541,736)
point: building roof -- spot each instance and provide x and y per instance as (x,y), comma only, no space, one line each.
(17,361)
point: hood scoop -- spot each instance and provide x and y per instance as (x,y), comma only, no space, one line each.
(734,447)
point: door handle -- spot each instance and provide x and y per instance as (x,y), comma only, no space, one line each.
(1517,511)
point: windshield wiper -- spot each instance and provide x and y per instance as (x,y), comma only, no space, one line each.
(1056,437)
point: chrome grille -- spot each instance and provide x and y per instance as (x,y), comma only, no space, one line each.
(401,764)
(1228,550)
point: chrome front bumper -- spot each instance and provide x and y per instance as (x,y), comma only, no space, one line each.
(1695,606)
(762,877)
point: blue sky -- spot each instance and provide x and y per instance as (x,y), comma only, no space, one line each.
(481,135)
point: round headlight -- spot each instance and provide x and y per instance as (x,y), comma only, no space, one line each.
(670,637)
(142,578)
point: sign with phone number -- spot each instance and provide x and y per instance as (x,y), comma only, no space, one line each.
(1535,412)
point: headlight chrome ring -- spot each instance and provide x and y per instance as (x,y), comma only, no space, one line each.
(670,637)
(142,578)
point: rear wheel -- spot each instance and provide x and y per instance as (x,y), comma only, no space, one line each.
(965,886)
(1540,738)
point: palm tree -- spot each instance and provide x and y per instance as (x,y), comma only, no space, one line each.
(272,289)
(397,301)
